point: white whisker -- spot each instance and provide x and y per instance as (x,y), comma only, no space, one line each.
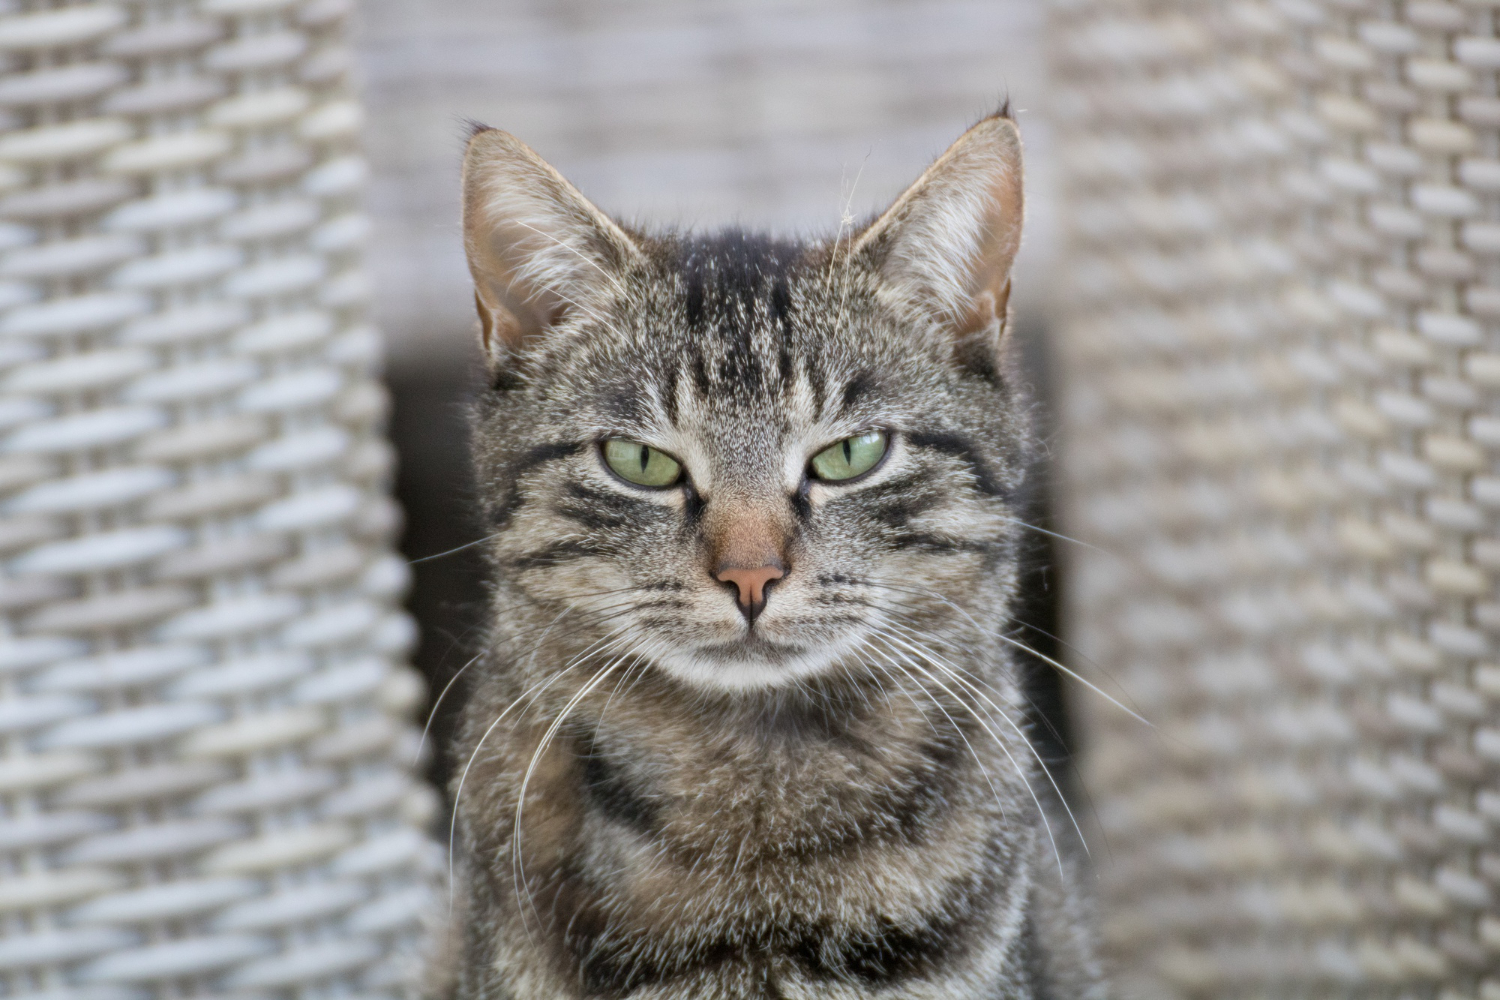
(957,676)
(453,551)
(533,692)
(902,663)
(1041,812)
(518,860)
(438,701)
(1062,668)
(1057,535)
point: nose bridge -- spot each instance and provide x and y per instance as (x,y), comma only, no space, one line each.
(747,550)
(747,518)
(745,532)
(746,515)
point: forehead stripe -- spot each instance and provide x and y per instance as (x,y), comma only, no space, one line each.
(860,385)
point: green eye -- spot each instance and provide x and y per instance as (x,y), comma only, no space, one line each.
(641,464)
(851,457)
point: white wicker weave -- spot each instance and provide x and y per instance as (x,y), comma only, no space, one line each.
(206,778)
(1282,409)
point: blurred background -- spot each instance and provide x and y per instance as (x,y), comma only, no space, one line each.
(776,116)
(1269,320)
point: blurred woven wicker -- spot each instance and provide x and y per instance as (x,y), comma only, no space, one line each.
(205,756)
(1282,409)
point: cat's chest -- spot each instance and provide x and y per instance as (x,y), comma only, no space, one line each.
(770,864)
(772,794)
(791,823)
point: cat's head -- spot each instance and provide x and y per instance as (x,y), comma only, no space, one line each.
(744,460)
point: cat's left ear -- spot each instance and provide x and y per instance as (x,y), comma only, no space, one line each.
(538,250)
(946,246)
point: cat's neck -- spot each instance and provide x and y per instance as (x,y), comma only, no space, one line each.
(692,773)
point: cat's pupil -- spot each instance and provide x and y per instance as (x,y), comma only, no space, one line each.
(645,457)
(848,452)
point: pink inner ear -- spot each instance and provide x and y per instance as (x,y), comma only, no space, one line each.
(487,331)
(984,312)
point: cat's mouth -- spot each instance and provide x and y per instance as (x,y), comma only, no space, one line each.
(753,645)
(749,663)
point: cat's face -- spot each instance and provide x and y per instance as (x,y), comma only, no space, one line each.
(747,462)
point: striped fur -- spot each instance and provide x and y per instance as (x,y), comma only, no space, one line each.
(658,800)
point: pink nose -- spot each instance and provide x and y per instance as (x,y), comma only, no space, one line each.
(751,583)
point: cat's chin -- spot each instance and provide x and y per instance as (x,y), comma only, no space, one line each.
(745,666)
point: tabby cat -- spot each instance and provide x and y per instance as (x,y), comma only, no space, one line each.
(747,722)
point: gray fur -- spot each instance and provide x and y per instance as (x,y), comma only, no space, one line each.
(835,802)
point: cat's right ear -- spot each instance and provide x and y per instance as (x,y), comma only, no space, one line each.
(538,250)
(945,247)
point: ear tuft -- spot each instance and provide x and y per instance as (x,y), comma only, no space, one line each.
(946,246)
(539,252)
